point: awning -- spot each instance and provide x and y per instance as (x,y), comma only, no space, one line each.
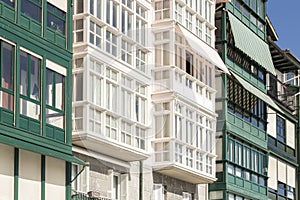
(257,92)
(204,49)
(251,44)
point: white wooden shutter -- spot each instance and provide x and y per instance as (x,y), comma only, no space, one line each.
(272,172)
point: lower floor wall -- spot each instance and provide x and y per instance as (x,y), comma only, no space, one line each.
(26,175)
(106,179)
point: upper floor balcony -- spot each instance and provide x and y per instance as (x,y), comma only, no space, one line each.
(184,142)
(182,84)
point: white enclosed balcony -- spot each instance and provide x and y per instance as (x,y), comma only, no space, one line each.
(184,143)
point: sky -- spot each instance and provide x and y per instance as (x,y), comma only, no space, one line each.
(285,17)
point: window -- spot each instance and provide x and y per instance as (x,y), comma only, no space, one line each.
(7,84)
(95,87)
(140,109)
(95,120)
(189,68)
(126,133)
(189,157)
(178,12)
(162,126)
(111,96)
(280,129)
(111,127)
(111,13)
(140,11)
(32,9)
(30,85)
(126,52)
(209,163)
(162,54)
(209,75)
(79,6)
(199,6)
(116,187)
(199,28)
(78,87)
(95,34)
(56,19)
(208,35)
(246,162)
(55,98)
(140,138)
(140,60)
(96,8)
(162,9)
(111,43)
(178,127)
(78,30)
(199,161)
(140,32)
(208,11)
(162,151)
(188,20)
(126,98)
(178,153)
(127,20)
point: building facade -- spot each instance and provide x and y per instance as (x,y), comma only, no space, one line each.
(144,98)
(35,88)
(256,128)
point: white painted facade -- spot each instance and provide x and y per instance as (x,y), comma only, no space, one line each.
(144,90)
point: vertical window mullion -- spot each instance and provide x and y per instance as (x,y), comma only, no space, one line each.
(53,90)
(28,74)
(1,63)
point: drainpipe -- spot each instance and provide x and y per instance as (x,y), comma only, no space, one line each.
(141,181)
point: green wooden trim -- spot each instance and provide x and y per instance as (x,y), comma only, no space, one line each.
(43,96)
(16,174)
(68,106)
(69,26)
(43,176)
(68,180)
(17,89)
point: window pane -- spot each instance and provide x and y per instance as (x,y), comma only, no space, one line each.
(55,118)
(7,66)
(54,21)
(59,91)
(34,78)
(31,9)
(7,100)
(29,109)
(49,87)
(24,73)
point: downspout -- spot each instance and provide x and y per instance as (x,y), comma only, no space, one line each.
(141,181)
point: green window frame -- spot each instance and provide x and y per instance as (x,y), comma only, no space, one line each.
(7,52)
(280,129)
(32,9)
(56,19)
(246,162)
(55,98)
(30,73)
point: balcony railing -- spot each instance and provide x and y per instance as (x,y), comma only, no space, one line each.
(83,196)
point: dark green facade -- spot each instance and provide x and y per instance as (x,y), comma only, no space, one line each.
(33,36)
(243,101)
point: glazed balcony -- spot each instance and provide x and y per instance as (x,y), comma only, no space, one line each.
(108,134)
(181,83)
(183,161)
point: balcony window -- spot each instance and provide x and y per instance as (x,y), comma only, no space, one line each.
(56,19)
(127,22)
(111,43)
(188,20)
(96,8)
(178,12)
(140,60)
(162,9)
(199,28)
(140,33)
(140,109)
(126,52)
(79,6)
(162,151)
(55,98)
(140,135)
(280,129)
(6,66)
(111,127)
(95,34)
(30,85)
(78,30)
(32,9)
(112,13)
(95,120)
